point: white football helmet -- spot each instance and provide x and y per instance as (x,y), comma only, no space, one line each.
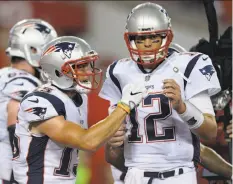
(67,59)
(27,38)
(148,19)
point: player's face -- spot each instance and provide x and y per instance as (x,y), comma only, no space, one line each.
(84,72)
(148,42)
(83,69)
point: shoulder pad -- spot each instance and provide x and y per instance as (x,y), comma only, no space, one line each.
(9,73)
(124,60)
(18,87)
(118,63)
(3,70)
(191,54)
(45,89)
(39,106)
(201,72)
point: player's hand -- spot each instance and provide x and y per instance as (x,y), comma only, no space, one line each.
(118,139)
(132,94)
(229,130)
(172,90)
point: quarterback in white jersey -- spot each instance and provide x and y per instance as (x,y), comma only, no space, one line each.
(52,120)
(208,157)
(162,143)
(25,41)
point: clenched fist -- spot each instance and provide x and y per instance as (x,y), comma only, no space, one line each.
(118,139)
(172,90)
(132,94)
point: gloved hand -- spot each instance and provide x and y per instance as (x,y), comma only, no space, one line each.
(133,94)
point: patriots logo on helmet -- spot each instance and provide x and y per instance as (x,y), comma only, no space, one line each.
(207,71)
(40,27)
(164,11)
(65,48)
(39,111)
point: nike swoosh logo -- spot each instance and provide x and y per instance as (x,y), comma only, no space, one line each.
(35,101)
(134,93)
(205,58)
(19,84)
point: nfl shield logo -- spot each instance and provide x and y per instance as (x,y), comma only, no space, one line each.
(147,78)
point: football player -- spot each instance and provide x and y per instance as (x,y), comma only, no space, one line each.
(26,39)
(209,158)
(52,120)
(162,144)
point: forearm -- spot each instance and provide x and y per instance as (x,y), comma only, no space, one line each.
(115,157)
(99,133)
(72,135)
(208,129)
(198,113)
(215,163)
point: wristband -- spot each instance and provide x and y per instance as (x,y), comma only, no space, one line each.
(192,116)
(124,107)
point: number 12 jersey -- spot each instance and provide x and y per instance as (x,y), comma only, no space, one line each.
(157,138)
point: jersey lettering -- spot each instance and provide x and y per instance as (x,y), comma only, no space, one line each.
(164,111)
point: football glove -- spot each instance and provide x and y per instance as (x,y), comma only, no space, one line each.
(133,94)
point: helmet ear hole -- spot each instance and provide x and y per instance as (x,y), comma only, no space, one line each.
(33,50)
(58,74)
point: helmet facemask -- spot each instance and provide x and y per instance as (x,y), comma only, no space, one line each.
(150,56)
(86,76)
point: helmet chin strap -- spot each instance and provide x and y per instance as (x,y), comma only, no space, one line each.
(150,59)
(83,90)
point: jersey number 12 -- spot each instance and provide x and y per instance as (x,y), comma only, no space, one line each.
(150,121)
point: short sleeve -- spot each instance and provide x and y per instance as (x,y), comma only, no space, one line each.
(39,106)
(203,102)
(202,76)
(111,90)
(17,88)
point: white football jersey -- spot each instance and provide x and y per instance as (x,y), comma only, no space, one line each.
(14,84)
(37,158)
(157,137)
(116,174)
